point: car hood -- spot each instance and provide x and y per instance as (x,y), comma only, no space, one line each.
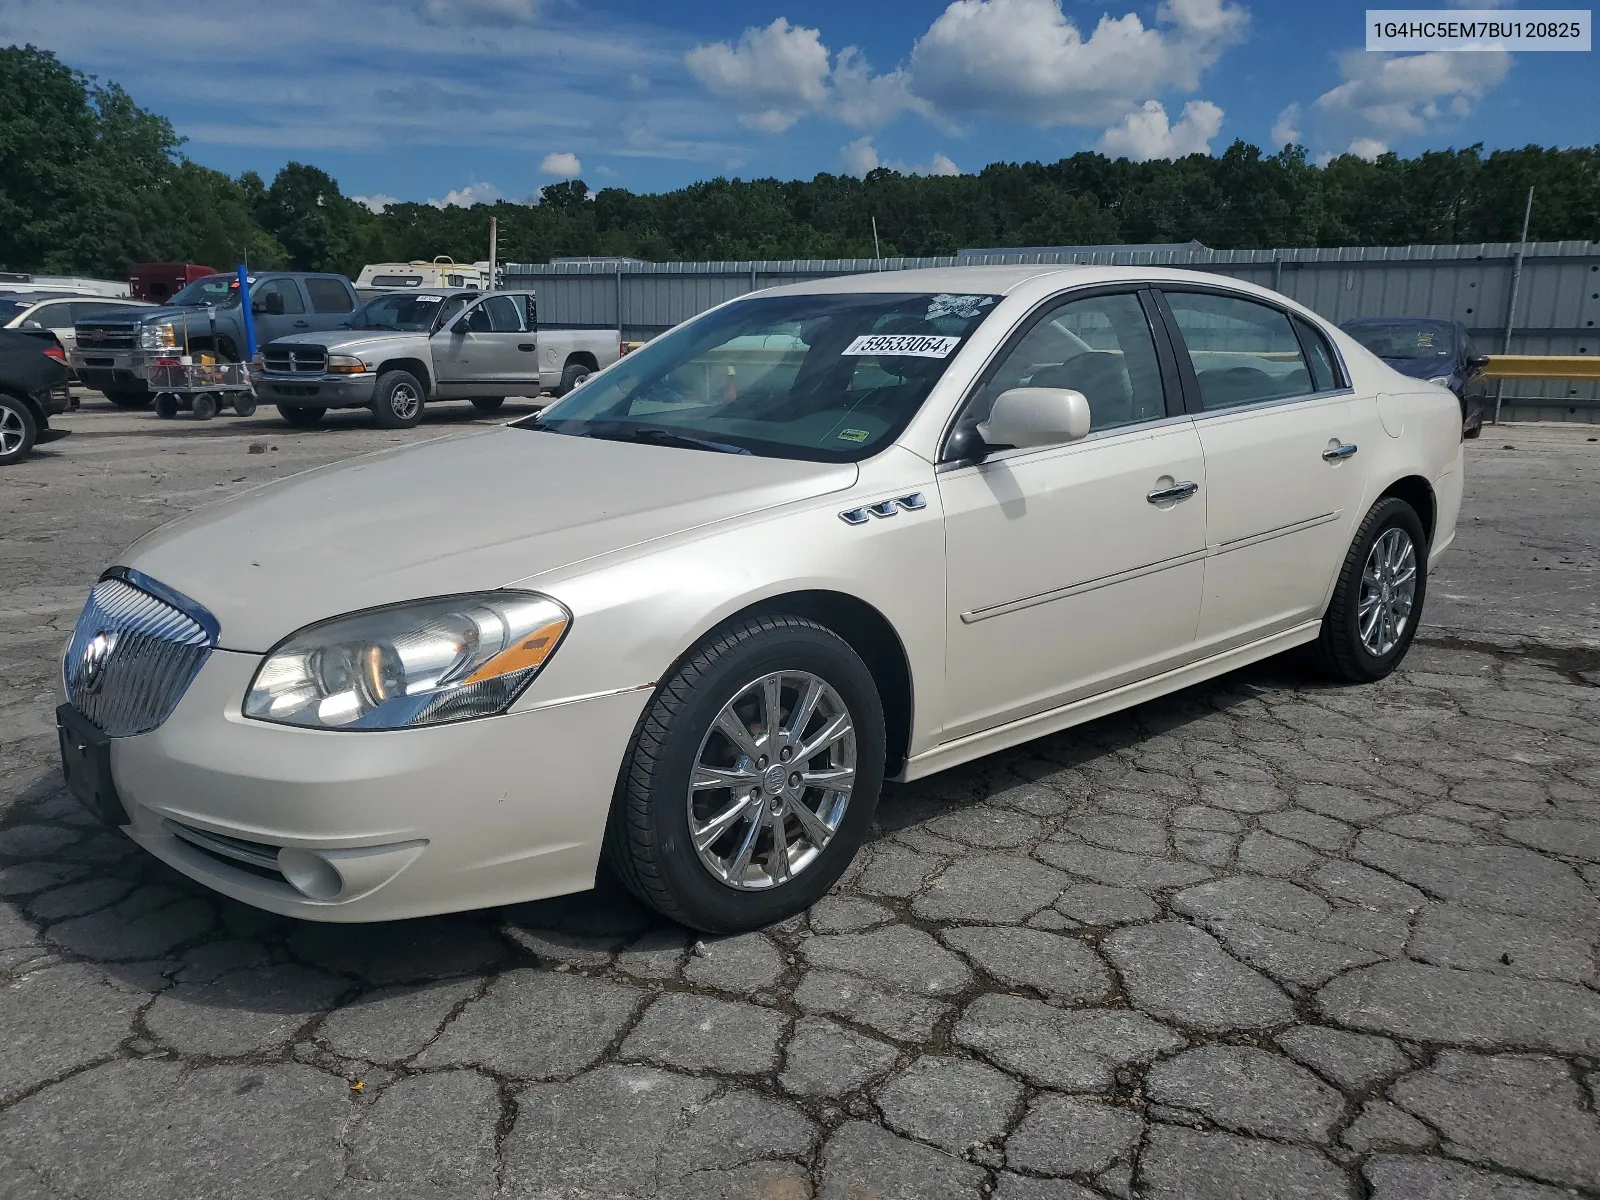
(1422,368)
(460,514)
(133,314)
(350,339)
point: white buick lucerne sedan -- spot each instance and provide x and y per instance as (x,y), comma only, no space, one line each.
(691,617)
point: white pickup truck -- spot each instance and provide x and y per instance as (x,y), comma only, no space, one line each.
(400,351)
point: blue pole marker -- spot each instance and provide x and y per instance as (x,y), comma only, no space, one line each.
(249,317)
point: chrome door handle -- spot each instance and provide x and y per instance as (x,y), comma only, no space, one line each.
(1340,452)
(1178,491)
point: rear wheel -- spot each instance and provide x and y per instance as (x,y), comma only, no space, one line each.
(576,375)
(205,406)
(1377,601)
(752,777)
(488,404)
(397,400)
(166,405)
(244,404)
(129,399)
(19,429)
(302,416)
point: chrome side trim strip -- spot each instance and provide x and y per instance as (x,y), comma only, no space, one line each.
(1267,535)
(1078,589)
(1165,564)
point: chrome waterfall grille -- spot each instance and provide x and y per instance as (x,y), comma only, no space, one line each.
(136,649)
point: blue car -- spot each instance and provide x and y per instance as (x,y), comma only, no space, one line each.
(1428,348)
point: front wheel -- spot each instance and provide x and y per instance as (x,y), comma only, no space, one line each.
(166,405)
(18,430)
(397,400)
(1377,601)
(752,777)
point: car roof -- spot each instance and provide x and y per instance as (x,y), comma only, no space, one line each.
(1002,280)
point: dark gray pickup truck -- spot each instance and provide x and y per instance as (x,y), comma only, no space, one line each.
(115,351)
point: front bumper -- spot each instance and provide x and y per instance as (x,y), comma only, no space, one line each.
(317,391)
(397,824)
(112,370)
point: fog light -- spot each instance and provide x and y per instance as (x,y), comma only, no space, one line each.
(310,874)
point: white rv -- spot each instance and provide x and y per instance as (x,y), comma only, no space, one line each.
(442,272)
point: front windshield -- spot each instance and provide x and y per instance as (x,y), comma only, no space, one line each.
(1405,339)
(221,290)
(405,312)
(831,378)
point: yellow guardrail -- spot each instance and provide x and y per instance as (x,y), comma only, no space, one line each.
(1542,366)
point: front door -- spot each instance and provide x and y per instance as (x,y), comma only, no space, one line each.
(1283,436)
(481,352)
(1074,569)
(273,325)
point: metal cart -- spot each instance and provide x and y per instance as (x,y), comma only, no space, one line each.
(203,388)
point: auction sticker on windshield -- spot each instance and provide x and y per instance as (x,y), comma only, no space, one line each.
(914,345)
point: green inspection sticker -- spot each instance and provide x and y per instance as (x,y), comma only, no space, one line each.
(853,435)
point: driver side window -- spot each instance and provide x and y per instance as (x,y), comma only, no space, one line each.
(1101,346)
(281,287)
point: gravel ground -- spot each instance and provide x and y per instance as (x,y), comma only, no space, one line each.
(1265,937)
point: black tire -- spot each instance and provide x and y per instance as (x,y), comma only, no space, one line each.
(244,404)
(488,404)
(397,400)
(302,416)
(19,430)
(129,399)
(205,406)
(648,844)
(166,405)
(1340,650)
(575,375)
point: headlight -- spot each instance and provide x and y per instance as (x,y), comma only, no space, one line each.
(345,364)
(1442,380)
(158,337)
(423,663)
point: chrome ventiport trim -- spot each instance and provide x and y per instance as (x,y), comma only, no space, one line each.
(911,502)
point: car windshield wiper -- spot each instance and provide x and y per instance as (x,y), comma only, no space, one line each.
(654,435)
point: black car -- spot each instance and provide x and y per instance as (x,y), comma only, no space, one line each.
(33,388)
(1428,348)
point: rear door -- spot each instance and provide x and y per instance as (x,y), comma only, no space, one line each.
(1285,477)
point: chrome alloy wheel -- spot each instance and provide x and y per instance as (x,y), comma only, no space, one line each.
(772,780)
(11,431)
(404,401)
(1388,591)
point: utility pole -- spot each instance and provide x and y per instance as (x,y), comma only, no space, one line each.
(1511,309)
(876,257)
(494,238)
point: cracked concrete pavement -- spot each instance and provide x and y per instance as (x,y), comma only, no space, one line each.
(1266,937)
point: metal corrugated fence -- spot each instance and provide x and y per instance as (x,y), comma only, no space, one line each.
(1558,303)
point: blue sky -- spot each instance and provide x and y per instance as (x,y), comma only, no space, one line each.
(455,100)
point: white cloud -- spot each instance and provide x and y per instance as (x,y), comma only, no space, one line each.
(1367,148)
(377,202)
(477,12)
(473,193)
(860,158)
(780,73)
(564,165)
(1145,132)
(1026,59)
(1286,129)
(1386,94)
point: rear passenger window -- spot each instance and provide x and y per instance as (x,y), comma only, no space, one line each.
(329,296)
(505,315)
(1100,346)
(1243,352)
(1324,369)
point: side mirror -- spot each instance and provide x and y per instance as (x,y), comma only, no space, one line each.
(1029,416)
(1477,362)
(461,328)
(32,325)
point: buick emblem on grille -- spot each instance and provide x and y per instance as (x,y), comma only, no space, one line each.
(96,654)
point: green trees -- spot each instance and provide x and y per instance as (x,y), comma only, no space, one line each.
(90,182)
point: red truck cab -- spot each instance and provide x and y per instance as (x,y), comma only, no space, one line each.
(157,281)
